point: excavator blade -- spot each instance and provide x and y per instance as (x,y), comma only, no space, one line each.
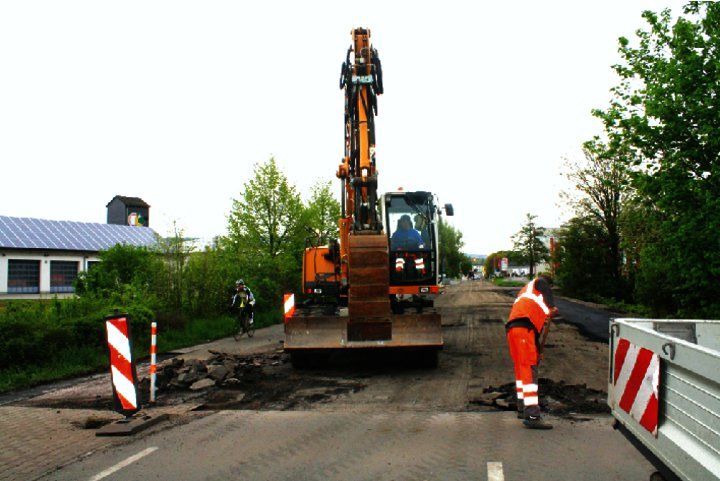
(308,329)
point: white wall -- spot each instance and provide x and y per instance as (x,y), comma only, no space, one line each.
(45,258)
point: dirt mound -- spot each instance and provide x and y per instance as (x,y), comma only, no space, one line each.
(556,398)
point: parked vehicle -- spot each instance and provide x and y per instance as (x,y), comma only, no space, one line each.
(664,392)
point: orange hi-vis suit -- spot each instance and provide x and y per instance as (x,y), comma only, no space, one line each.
(529,313)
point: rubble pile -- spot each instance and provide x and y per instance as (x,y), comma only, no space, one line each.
(556,398)
(221,370)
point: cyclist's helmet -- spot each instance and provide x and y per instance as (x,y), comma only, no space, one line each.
(239,282)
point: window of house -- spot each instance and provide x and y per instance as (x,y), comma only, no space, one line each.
(23,276)
(62,275)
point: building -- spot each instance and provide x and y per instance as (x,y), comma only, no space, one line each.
(132,211)
(42,258)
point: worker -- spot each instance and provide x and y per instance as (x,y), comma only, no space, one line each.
(240,290)
(533,308)
(405,237)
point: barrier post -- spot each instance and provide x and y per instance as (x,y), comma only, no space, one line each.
(123,379)
(153,359)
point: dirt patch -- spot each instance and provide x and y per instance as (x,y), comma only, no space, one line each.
(556,398)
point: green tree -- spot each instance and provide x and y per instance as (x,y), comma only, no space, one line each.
(585,268)
(266,217)
(120,265)
(322,212)
(528,243)
(601,187)
(171,283)
(451,244)
(265,237)
(666,112)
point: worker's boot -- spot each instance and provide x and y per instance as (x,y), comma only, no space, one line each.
(520,409)
(534,420)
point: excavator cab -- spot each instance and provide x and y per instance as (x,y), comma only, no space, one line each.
(412,227)
(412,236)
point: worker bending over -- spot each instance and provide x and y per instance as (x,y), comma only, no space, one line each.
(532,310)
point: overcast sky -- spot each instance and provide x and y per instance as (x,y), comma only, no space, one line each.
(175,101)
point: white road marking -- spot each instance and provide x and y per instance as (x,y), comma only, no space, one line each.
(495,472)
(127,462)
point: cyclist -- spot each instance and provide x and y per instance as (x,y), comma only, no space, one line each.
(242,290)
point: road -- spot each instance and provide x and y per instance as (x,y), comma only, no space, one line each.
(374,418)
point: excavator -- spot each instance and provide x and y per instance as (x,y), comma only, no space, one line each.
(375,286)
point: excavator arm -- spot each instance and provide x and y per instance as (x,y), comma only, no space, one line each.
(361,78)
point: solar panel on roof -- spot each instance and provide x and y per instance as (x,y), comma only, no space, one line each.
(30,233)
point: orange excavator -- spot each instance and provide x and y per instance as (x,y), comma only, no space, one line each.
(374,287)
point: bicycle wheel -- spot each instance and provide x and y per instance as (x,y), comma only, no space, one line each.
(250,328)
(239,328)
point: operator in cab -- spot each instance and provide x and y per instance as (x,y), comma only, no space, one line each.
(529,317)
(405,237)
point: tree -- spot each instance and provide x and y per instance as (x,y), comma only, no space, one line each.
(451,244)
(120,265)
(666,112)
(175,250)
(601,180)
(323,212)
(528,243)
(266,217)
(585,269)
(265,235)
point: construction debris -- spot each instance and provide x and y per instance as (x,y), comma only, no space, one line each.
(556,398)
(220,370)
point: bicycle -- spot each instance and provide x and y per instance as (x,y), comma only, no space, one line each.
(243,325)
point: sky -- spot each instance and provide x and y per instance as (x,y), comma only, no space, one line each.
(176,101)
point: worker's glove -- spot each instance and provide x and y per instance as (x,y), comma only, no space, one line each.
(553,312)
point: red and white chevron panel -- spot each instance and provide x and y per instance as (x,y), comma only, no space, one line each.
(636,379)
(289,305)
(122,370)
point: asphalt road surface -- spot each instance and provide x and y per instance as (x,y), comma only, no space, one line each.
(347,445)
(396,422)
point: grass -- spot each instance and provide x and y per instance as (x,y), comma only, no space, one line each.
(501,282)
(75,362)
(634,309)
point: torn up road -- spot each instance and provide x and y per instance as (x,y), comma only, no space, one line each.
(369,411)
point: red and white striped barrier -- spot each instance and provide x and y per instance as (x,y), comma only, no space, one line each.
(153,359)
(122,369)
(636,380)
(289,305)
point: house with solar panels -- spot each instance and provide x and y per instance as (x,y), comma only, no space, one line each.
(42,258)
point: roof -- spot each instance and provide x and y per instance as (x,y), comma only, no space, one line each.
(129,201)
(29,233)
